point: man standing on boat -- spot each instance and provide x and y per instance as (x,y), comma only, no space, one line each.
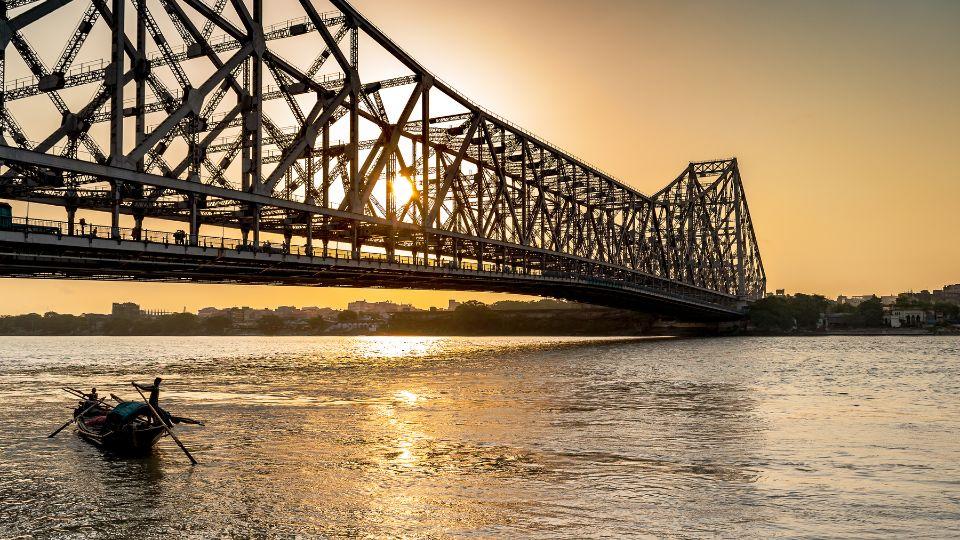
(154,392)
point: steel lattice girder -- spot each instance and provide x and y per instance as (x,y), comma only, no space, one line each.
(482,188)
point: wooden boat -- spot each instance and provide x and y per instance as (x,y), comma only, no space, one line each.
(127,428)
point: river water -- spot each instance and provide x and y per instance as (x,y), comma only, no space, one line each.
(493,437)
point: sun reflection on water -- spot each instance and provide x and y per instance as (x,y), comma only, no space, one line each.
(397,346)
(407,396)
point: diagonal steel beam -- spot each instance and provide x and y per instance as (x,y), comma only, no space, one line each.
(320,114)
(454,169)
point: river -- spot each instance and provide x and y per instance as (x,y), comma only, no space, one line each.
(493,437)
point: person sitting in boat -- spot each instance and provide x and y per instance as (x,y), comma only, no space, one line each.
(154,390)
(89,405)
(89,400)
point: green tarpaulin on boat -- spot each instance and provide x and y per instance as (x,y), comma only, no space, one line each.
(126,411)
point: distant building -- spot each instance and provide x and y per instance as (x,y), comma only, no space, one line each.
(835,321)
(855,301)
(314,311)
(209,312)
(452,305)
(155,312)
(359,327)
(287,312)
(780,292)
(901,317)
(380,308)
(248,314)
(950,293)
(131,310)
(126,309)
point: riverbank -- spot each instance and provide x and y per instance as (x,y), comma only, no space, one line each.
(938,331)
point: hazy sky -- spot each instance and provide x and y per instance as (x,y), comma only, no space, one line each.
(844,116)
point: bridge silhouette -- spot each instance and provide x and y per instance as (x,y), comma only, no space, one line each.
(398,181)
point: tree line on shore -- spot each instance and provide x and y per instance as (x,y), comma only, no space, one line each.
(175,324)
(469,318)
(805,312)
(771,315)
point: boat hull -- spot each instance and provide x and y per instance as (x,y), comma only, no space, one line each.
(127,440)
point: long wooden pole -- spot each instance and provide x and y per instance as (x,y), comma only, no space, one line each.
(165,426)
(74,391)
(185,420)
(74,419)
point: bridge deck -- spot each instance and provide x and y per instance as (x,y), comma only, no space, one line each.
(48,253)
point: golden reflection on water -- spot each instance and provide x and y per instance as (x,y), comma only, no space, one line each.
(407,396)
(398,346)
(403,438)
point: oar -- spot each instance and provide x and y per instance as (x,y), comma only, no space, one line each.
(74,392)
(117,398)
(164,424)
(185,420)
(74,419)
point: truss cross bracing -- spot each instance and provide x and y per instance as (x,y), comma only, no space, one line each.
(301,145)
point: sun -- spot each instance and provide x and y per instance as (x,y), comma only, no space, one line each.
(403,190)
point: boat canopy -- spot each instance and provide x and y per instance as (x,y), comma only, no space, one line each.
(127,411)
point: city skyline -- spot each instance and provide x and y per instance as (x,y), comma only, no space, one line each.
(841,116)
(386,296)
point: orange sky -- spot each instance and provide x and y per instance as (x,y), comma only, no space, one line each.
(844,116)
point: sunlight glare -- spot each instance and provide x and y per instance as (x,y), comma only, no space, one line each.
(403,190)
(396,346)
(407,396)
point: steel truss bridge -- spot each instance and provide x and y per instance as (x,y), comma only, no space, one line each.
(212,157)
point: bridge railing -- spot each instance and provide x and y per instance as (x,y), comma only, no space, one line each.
(182,238)
(60,229)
